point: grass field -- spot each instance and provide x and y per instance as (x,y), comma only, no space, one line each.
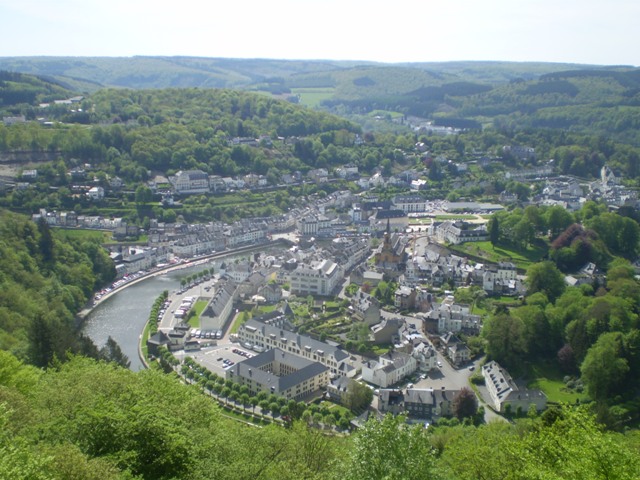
(453,216)
(548,378)
(238,321)
(85,234)
(311,97)
(198,308)
(503,253)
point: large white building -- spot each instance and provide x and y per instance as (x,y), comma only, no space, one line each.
(459,232)
(219,309)
(320,278)
(410,203)
(190,182)
(504,391)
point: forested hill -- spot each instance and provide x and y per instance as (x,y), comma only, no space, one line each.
(512,96)
(44,281)
(21,89)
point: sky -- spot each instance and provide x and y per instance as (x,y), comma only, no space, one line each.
(571,31)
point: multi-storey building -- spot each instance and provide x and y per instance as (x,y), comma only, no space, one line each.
(319,278)
(276,371)
(254,332)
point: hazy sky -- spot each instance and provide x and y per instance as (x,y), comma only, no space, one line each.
(577,31)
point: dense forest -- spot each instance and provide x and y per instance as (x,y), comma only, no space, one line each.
(44,282)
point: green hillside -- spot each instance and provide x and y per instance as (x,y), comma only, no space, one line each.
(16,89)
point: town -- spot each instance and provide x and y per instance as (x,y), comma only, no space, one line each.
(409,347)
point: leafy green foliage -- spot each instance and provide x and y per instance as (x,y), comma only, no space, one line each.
(44,281)
(390,449)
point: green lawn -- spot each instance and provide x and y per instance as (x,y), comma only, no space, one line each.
(522,258)
(312,97)
(84,234)
(461,216)
(266,308)
(198,308)
(143,340)
(238,321)
(548,378)
(334,406)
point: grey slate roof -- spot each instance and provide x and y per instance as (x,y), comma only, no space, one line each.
(252,368)
(301,340)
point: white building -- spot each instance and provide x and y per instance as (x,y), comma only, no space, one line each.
(504,391)
(319,278)
(190,182)
(388,369)
(96,193)
(410,203)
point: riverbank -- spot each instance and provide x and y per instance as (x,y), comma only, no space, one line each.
(82,314)
(124,316)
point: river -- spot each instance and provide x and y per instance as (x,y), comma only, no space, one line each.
(124,314)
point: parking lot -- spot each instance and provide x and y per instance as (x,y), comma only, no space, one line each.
(219,358)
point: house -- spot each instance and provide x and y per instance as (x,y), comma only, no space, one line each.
(504,391)
(419,184)
(157,340)
(422,403)
(338,389)
(405,298)
(387,331)
(456,349)
(425,355)
(272,292)
(391,401)
(366,308)
(362,275)
(348,172)
(96,193)
(454,318)
(281,373)
(318,175)
(251,285)
(177,339)
(388,369)
(115,182)
(30,175)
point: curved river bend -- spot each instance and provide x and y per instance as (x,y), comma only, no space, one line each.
(124,314)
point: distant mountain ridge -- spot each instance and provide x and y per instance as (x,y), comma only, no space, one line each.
(160,72)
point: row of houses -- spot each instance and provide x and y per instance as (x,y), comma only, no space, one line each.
(437,267)
(421,403)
